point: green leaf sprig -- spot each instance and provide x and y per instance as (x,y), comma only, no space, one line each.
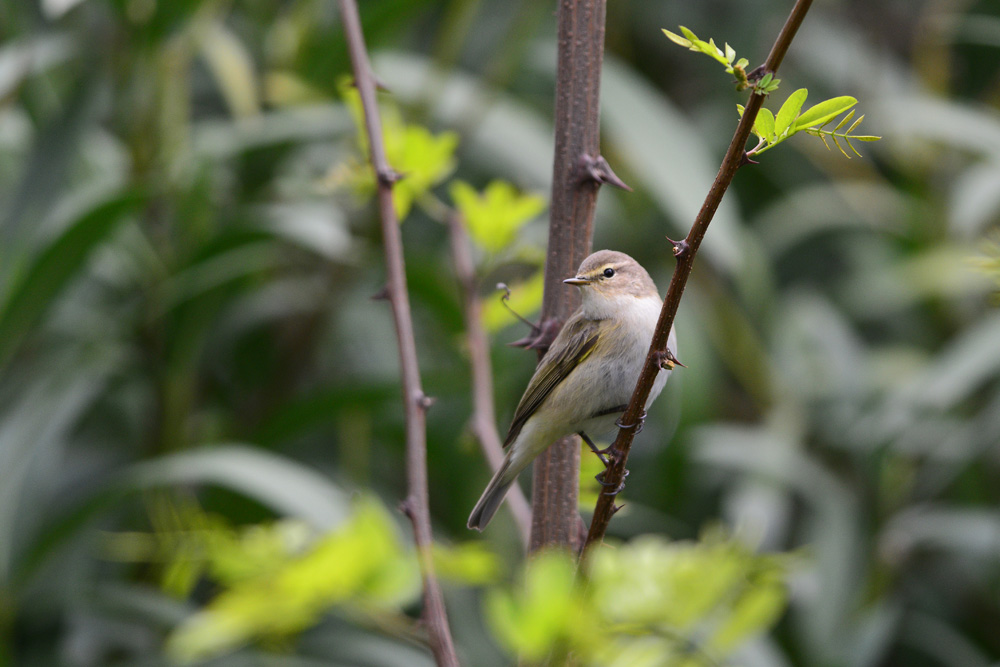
(727,57)
(773,129)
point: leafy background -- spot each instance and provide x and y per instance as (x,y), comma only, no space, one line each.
(200,433)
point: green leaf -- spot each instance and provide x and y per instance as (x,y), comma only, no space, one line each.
(232,66)
(34,292)
(846,120)
(278,482)
(549,611)
(494,217)
(764,125)
(677,39)
(789,111)
(754,611)
(470,563)
(422,159)
(362,563)
(824,112)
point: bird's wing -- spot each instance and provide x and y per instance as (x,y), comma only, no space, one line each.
(574,342)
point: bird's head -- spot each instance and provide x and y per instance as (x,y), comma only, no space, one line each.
(608,276)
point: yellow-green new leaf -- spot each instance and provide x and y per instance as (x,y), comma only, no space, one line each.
(754,611)
(789,111)
(494,217)
(470,563)
(764,125)
(422,159)
(677,39)
(824,112)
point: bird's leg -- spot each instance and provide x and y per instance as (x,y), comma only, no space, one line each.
(637,426)
(620,424)
(601,453)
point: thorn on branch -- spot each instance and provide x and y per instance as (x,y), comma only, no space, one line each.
(745,159)
(598,170)
(681,247)
(756,74)
(388,176)
(615,508)
(406,507)
(379,84)
(381,295)
(666,360)
(542,339)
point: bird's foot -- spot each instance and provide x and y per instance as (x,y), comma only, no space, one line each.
(618,489)
(600,480)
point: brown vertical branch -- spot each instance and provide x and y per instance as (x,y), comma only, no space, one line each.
(483,411)
(685,252)
(575,180)
(416,504)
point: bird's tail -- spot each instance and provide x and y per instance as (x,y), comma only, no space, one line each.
(494,494)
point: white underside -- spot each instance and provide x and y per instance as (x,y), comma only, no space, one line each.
(591,388)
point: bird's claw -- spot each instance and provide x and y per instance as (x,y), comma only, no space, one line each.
(637,426)
(600,480)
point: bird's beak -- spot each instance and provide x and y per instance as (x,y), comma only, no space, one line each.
(578,281)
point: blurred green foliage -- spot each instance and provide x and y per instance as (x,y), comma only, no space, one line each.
(186,322)
(650,602)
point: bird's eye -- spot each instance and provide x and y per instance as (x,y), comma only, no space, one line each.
(608,273)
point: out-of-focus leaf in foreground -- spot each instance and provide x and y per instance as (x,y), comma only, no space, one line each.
(363,563)
(690,603)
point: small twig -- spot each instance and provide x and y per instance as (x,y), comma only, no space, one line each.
(505,300)
(483,409)
(415,401)
(685,252)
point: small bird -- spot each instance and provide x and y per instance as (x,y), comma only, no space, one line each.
(584,382)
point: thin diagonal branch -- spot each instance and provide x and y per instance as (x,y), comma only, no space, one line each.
(685,252)
(416,503)
(483,411)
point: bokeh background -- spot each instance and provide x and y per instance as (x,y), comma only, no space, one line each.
(188,340)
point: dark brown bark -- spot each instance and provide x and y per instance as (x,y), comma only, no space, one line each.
(555,516)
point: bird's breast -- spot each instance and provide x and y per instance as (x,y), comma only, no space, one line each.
(598,388)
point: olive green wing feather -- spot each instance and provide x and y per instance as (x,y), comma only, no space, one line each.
(580,336)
